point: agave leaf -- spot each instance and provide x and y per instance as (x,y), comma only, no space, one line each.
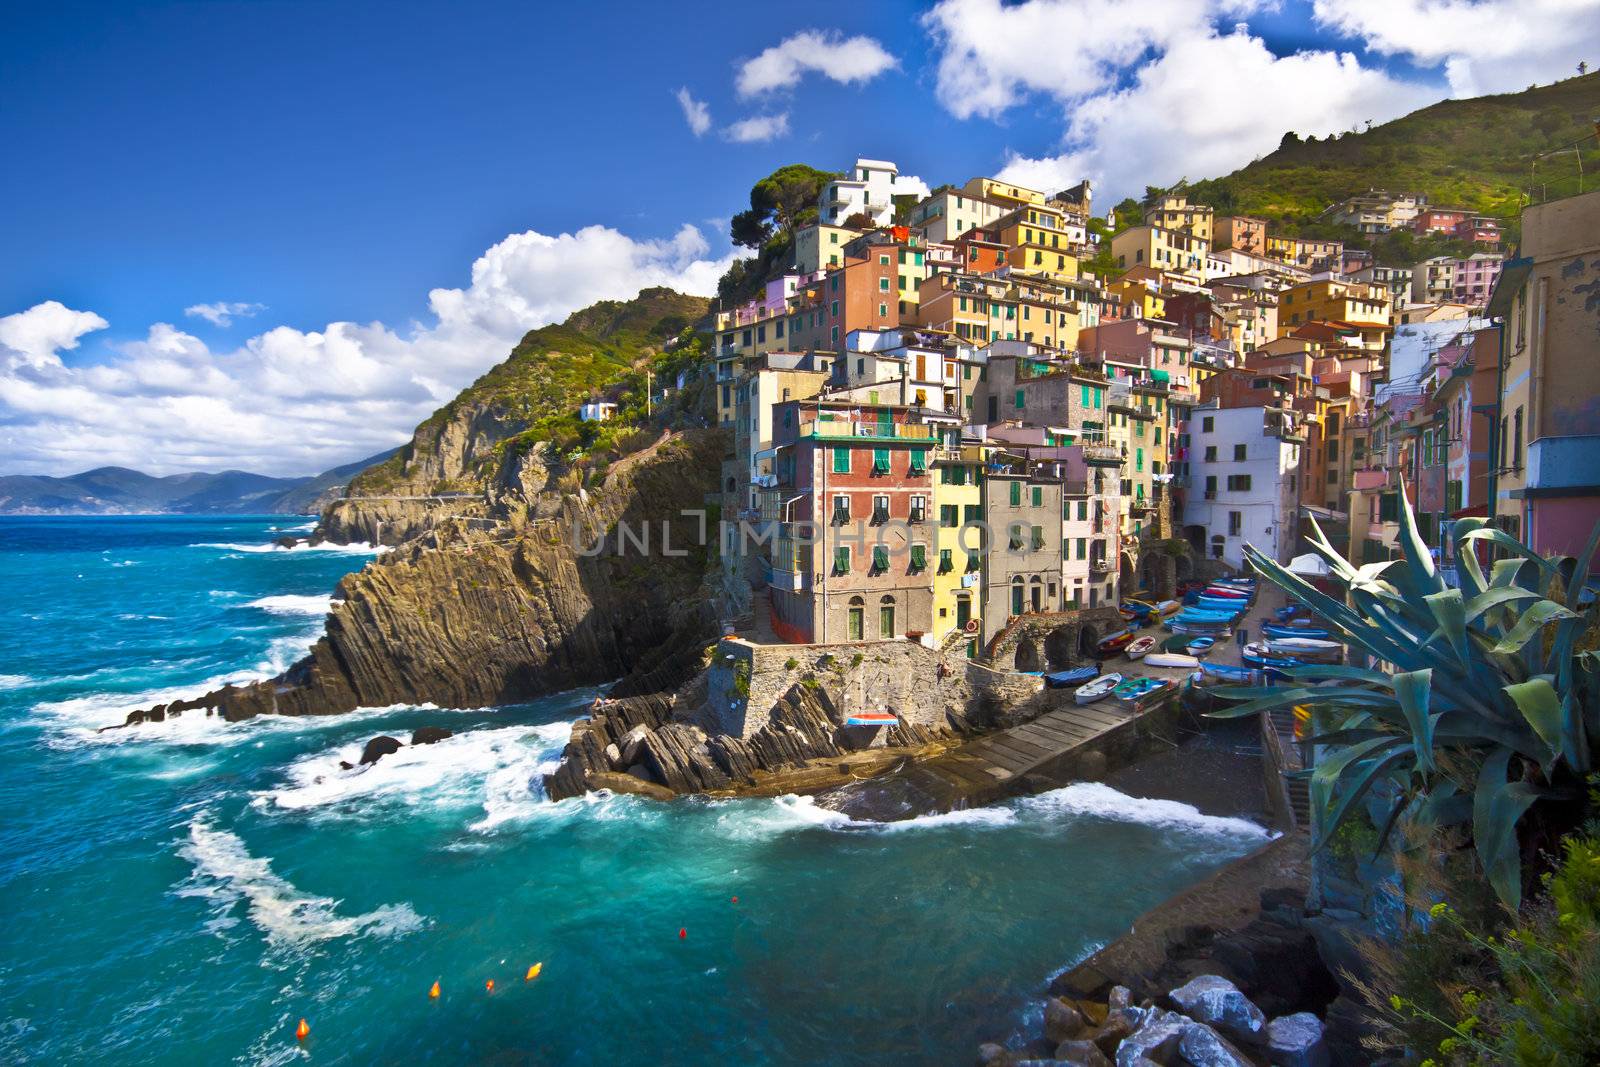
(1312,672)
(1413,689)
(1359,780)
(1532,620)
(1444,805)
(1540,705)
(1574,738)
(1396,809)
(1349,735)
(1468,572)
(1329,770)
(1494,597)
(1497,805)
(1371,638)
(1510,544)
(1420,575)
(1451,612)
(1579,575)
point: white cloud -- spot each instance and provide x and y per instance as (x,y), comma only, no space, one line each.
(846,60)
(1149,92)
(697,113)
(1208,105)
(288,401)
(33,337)
(757,128)
(223,313)
(1484,46)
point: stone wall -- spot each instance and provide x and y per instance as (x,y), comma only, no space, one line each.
(1053,640)
(745,680)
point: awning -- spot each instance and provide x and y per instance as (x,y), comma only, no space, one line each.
(1160,376)
(1309,565)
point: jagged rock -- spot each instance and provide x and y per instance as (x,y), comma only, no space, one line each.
(1111,1033)
(286,542)
(346,765)
(1062,1021)
(1156,1040)
(992,1055)
(631,743)
(379,747)
(428,735)
(629,783)
(614,758)
(735,756)
(679,759)
(1201,1046)
(1276,966)
(1217,1002)
(1081,1054)
(1296,1041)
(639,770)
(1120,998)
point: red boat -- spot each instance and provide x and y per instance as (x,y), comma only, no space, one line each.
(1110,646)
(1232,594)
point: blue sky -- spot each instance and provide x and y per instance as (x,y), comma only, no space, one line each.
(334,163)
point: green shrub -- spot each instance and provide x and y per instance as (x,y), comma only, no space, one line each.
(790,664)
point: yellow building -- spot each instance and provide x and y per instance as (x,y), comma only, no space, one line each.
(1334,301)
(1003,192)
(1037,242)
(1177,214)
(1168,250)
(818,246)
(1141,295)
(957,569)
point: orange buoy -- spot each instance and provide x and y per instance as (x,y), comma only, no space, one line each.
(736,900)
(683,933)
(533,972)
(302,1031)
(434,992)
(489,986)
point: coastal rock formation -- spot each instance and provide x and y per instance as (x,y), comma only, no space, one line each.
(467,618)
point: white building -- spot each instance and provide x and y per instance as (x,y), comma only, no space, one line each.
(871,188)
(1244,482)
(597,411)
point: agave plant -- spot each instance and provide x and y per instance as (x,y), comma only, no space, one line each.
(1484,707)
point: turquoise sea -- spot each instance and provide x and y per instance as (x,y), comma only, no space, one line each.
(185,892)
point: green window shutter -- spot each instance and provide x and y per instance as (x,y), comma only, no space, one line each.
(1016,494)
(841,459)
(1138,463)
(880,461)
(841,561)
(946,563)
(1038,537)
(919,461)
(1083,548)
(919,557)
(1038,497)
(880,558)
(1083,510)
(949,515)
(974,512)
(1099,398)
(1020,396)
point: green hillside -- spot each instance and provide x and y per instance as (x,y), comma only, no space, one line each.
(533,395)
(1473,154)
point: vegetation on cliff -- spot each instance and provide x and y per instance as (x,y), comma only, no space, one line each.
(1476,154)
(534,394)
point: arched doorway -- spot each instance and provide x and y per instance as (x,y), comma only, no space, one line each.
(1027,655)
(1059,647)
(1088,640)
(858,618)
(886,618)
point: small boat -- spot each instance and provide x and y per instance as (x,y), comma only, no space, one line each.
(1171,659)
(1222,673)
(1201,645)
(872,718)
(1140,646)
(1097,689)
(1068,679)
(1136,691)
(1259,655)
(1226,592)
(1169,607)
(1110,646)
(1272,629)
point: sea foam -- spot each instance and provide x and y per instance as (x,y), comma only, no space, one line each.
(355,548)
(225,874)
(1097,800)
(292,604)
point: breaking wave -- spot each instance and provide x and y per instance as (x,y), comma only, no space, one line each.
(226,874)
(1097,800)
(291,604)
(355,548)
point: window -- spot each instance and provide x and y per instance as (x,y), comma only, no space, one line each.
(1211,485)
(1235,523)
(841,459)
(880,510)
(1238,483)
(919,558)
(841,508)
(1516,440)
(1016,494)
(880,559)
(949,516)
(880,461)
(1083,510)
(974,561)
(1083,548)
(1238,453)
(946,563)
(841,560)
(1206,424)
(1211,453)
(1038,496)
(1038,537)
(919,462)
(886,617)
(1019,398)
(919,509)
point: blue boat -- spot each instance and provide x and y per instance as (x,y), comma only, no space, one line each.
(1272,629)
(1201,645)
(1223,672)
(1214,604)
(1068,679)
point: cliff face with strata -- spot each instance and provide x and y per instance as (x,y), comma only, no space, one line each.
(472,615)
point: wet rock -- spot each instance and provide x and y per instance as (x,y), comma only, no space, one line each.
(1156,1040)
(286,542)
(1081,1054)
(346,765)
(379,747)
(428,735)
(1201,1046)
(631,742)
(992,1055)
(614,757)
(1120,998)
(1062,1021)
(1277,966)
(1217,1002)
(1296,1041)
(1111,1033)
(631,784)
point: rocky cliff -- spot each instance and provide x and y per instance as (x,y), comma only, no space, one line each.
(490,452)
(480,613)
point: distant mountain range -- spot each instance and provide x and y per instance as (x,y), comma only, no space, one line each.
(120,491)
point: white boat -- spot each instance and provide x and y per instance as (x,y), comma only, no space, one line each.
(1171,659)
(1304,646)
(1140,647)
(1095,690)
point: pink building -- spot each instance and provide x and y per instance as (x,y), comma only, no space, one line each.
(1439,219)
(1475,277)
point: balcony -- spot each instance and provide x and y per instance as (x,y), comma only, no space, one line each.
(1103,454)
(1099,567)
(846,428)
